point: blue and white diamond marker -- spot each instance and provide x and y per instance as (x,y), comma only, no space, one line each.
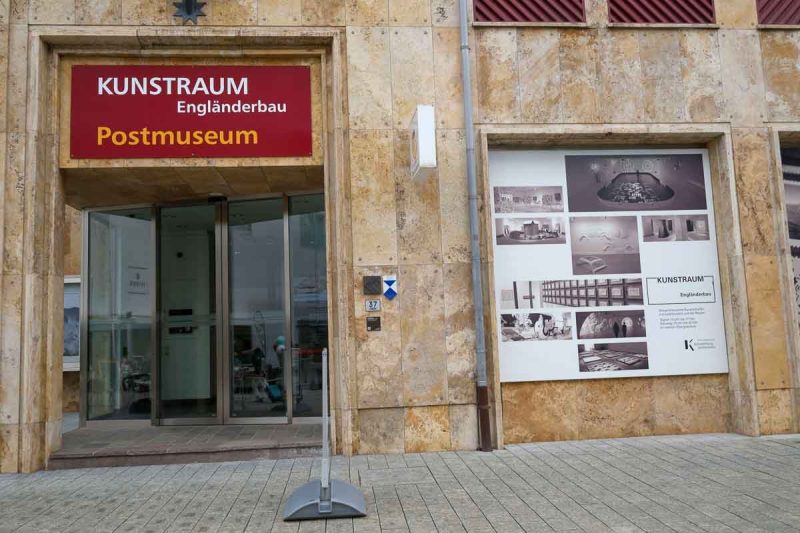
(390,287)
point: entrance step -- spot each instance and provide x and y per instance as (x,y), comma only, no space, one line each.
(155,445)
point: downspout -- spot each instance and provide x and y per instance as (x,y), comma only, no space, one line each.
(482,385)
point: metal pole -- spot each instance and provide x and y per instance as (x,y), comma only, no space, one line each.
(325,504)
(482,388)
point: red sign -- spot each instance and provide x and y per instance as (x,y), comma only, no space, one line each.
(157,111)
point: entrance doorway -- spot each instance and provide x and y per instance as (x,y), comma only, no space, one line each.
(205,313)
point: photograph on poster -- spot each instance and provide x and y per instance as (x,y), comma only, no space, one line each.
(550,230)
(572,293)
(612,357)
(528,200)
(536,327)
(665,228)
(605,245)
(610,324)
(635,182)
(791,189)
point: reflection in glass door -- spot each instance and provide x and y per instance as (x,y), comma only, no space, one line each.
(309,301)
(257,310)
(118,315)
(188,296)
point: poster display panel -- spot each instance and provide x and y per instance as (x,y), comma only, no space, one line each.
(790,158)
(605,264)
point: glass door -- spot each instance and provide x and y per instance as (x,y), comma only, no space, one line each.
(242,311)
(188,297)
(309,301)
(258,361)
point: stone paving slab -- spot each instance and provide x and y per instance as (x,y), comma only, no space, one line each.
(698,483)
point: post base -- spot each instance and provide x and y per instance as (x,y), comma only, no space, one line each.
(304,503)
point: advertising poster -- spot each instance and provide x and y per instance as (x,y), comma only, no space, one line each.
(605,264)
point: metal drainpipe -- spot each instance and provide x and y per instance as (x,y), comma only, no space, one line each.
(482,387)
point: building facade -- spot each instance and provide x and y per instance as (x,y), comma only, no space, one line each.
(160,242)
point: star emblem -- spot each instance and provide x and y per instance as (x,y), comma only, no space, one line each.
(189,10)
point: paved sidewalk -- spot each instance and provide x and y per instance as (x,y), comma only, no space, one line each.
(695,483)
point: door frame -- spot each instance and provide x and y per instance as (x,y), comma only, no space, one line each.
(222,296)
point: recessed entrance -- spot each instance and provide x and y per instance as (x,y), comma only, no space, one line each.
(206,313)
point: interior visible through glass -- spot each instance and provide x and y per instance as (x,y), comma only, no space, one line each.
(119,348)
(187,272)
(309,300)
(257,308)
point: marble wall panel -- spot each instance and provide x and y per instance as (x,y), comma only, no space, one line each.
(280,12)
(427,429)
(419,238)
(412,72)
(421,298)
(90,12)
(596,12)
(453,196)
(381,430)
(752,164)
(374,223)
(538,53)
(147,12)
(10,342)
(17,80)
(18,11)
(9,448)
(367,12)
(775,414)
(697,404)
(410,12)
(54,338)
(578,57)
(14,203)
(72,242)
(231,13)
(497,76)
(369,78)
(661,77)
(543,411)
(459,333)
(623,407)
(447,78)
(566,410)
(737,14)
(51,11)
(4,28)
(621,91)
(781,59)
(464,427)
(702,76)
(742,77)
(767,328)
(378,353)
(445,12)
(324,12)
(32,446)
(33,383)
(71,395)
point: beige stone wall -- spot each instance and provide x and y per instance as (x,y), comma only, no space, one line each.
(601,409)
(736,76)
(410,387)
(71,392)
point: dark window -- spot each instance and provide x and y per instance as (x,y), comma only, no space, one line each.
(661,11)
(785,12)
(529,11)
